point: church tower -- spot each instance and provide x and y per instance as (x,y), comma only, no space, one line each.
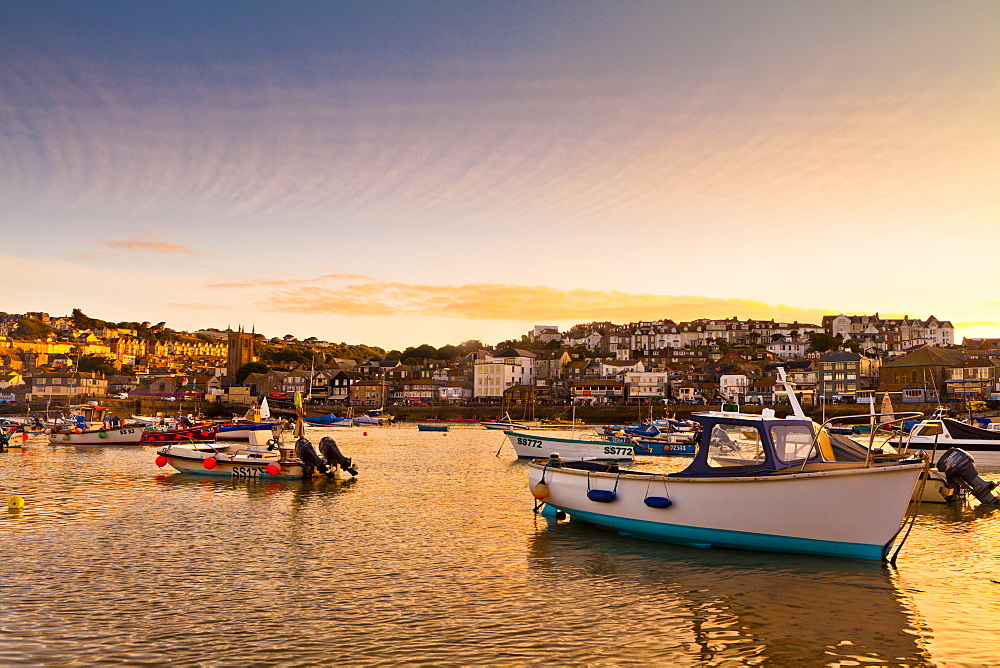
(240,351)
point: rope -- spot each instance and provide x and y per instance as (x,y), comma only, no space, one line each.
(911,511)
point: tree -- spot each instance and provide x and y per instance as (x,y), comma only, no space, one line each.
(32,329)
(448,352)
(95,364)
(470,346)
(820,342)
(424,351)
(247,369)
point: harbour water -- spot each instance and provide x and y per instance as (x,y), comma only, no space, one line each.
(433,556)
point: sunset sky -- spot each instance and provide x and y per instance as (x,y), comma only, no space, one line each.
(399,173)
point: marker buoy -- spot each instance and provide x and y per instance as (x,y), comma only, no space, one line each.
(15,503)
(365,433)
(210,463)
(161,461)
(24,436)
(273,468)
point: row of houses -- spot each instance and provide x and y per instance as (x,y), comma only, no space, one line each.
(875,335)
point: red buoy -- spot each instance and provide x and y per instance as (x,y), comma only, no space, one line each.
(210,463)
(204,433)
(274,468)
(364,433)
(161,461)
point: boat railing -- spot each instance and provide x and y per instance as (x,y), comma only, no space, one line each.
(903,416)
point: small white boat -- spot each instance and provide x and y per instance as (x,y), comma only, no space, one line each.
(269,460)
(533,446)
(504,423)
(128,435)
(939,433)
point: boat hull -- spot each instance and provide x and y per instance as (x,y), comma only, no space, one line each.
(649,446)
(119,436)
(432,427)
(810,513)
(506,426)
(189,460)
(533,446)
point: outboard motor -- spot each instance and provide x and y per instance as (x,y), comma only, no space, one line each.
(959,468)
(305,451)
(334,456)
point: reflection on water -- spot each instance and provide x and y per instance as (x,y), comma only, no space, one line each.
(433,556)
(728,604)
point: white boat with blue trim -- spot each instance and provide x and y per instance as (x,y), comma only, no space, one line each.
(757,482)
(534,445)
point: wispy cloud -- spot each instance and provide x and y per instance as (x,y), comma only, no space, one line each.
(291,282)
(151,246)
(971,324)
(195,306)
(488,301)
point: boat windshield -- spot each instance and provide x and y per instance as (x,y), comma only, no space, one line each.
(931,429)
(734,445)
(792,442)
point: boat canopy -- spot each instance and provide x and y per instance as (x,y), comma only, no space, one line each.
(740,444)
(961,430)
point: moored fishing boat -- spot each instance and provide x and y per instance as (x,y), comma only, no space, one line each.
(534,445)
(251,460)
(265,459)
(757,482)
(130,435)
(939,433)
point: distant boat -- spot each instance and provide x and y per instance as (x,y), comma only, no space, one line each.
(432,427)
(329,420)
(534,446)
(504,423)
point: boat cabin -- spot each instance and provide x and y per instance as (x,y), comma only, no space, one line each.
(747,444)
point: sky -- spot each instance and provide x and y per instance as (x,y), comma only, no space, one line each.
(401,173)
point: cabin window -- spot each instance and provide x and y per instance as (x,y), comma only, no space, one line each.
(792,442)
(734,445)
(927,430)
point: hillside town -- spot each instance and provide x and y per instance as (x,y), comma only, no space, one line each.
(844,359)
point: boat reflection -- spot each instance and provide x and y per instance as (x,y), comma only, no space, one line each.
(738,606)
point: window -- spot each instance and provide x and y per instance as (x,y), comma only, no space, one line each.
(792,442)
(733,446)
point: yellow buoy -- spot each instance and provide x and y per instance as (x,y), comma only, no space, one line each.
(540,491)
(15,502)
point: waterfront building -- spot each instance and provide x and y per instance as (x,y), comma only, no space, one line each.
(843,374)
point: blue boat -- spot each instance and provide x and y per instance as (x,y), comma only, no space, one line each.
(325,420)
(432,427)
(656,446)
